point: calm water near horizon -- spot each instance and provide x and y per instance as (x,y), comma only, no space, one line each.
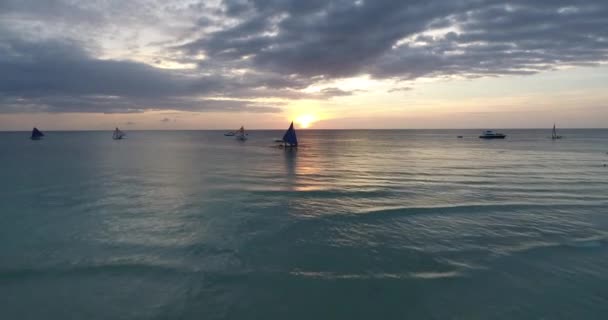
(355,224)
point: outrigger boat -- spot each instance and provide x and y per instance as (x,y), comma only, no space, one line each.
(118,135)
(240,134)
(36,134)
(554,135)
(290,140)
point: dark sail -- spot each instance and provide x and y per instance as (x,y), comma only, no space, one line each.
(36,134)
(290,136)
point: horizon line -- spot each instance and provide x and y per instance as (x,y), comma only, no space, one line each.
(308,129)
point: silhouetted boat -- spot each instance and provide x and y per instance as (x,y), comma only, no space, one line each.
(489,134)
(290,140)
(118,135)
(36,134)
(240,134)
(229,134)
(554,135)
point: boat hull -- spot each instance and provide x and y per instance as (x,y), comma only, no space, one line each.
(493,137)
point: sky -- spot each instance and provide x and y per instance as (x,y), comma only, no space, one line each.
(186,64)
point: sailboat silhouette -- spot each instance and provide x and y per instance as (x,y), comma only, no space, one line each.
(290,140)
(36,134)
(554,135)
(118,135)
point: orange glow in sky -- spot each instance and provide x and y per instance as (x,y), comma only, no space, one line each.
(305,121)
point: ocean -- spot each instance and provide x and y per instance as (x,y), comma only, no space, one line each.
(355,224)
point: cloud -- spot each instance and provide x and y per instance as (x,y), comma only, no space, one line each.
(392,39)
(74,56)
(59,76)
(336,92)
(399,89)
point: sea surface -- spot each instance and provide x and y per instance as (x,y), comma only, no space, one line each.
(394,224)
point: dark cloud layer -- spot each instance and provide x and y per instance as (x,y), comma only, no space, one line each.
(387,38)
(57,76)
(274,48)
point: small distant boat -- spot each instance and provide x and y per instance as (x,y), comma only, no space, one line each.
(554,135)
(290,140)
(229,134)
(36,134)
(240,134)
(459,137)
(118,135)
(490,134)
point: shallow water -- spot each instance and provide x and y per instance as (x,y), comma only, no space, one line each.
(354,225)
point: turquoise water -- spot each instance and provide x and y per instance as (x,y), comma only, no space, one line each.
(353,225)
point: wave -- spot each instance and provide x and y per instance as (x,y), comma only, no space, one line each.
(596,241)
(429,275)
(400,211)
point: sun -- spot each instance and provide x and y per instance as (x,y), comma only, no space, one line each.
(304,121)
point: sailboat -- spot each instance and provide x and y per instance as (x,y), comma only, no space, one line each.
(118,135)
(36,134)
(240,134)
(289,138)
(554,135)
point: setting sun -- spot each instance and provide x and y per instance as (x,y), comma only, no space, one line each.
(304,121)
